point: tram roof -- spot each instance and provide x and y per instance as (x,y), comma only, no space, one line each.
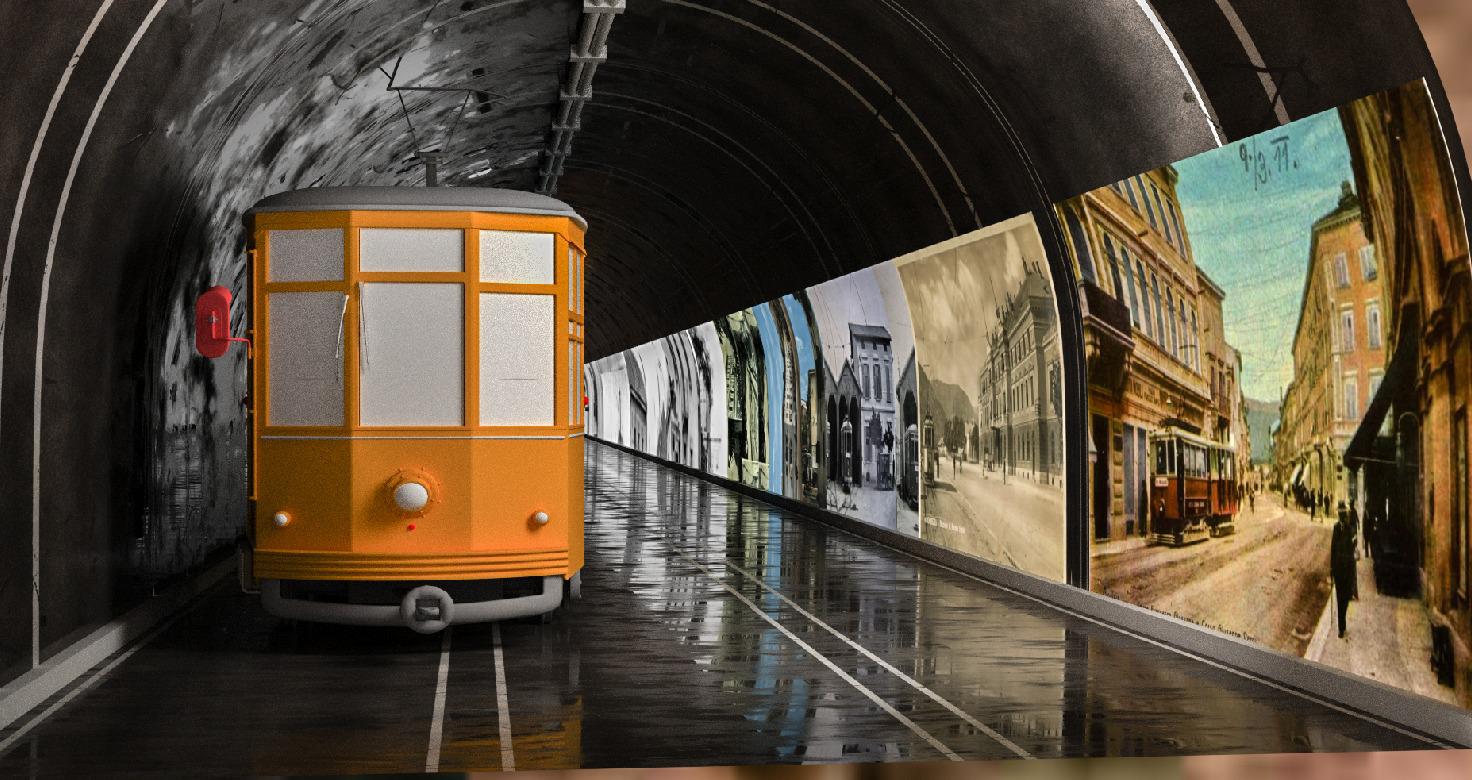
(1172,432)
(416,199)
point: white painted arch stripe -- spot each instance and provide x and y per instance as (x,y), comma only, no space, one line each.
(1175,54)
(25,179)
(66,190)
(10,243)
(1255,57)
(869,108)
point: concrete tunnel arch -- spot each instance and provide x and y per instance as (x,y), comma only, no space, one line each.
(729,152)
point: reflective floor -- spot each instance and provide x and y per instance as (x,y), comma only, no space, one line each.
(713,630)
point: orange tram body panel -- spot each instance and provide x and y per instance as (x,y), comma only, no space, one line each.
(417,404)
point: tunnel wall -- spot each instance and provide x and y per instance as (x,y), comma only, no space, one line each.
(1266,309)
(860,395)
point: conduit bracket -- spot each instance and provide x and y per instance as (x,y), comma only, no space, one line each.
(588,51)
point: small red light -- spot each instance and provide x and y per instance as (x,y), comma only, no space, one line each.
(411,526)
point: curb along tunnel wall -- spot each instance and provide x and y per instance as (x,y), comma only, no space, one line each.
(711,188)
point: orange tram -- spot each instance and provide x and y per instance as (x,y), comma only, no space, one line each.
(1193,487)
(416,404)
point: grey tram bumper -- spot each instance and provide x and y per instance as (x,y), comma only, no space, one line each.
(425,609)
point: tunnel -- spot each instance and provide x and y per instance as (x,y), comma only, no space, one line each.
(724,154)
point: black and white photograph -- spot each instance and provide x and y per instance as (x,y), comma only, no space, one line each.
(861,365)
(990,388)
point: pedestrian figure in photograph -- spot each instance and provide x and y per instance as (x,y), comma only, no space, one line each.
(1341,566)
(1144,506)
(1372,525)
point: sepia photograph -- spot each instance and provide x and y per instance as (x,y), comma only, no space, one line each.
(990,390)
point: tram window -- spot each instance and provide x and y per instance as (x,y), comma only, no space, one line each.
(411,249)
(305,358)
(412,354)
(511,257)
(517,339)
(305,255)
(1162,458)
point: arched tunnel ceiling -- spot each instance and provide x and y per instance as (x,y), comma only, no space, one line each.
(732,151)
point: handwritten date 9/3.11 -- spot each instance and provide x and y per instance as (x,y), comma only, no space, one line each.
(1265,161)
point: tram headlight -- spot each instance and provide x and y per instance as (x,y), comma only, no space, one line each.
(281,519)
(540,518)
(411,496)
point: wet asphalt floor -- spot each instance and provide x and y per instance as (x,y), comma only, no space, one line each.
(713,629)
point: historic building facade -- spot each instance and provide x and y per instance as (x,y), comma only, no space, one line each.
(1218,361)
(873,366)
(638,403)
(1338,354)
(1022,370)
(746,398)
(1242,432)
(1409,456)
(1142,297)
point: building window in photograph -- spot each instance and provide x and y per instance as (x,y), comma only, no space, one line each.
(1346,330)
(1351,397)
(1372,323)
(1368,268)
(1129,191)
(1170,237)
(1341,270)
(1149,209)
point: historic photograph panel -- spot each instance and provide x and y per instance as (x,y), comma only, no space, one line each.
(990,397)
(1277,400)
(861,361)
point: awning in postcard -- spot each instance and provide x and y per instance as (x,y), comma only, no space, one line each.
(1401,369)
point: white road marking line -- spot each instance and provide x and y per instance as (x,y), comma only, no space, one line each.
(1105,624)
(806,648)
(1255,57)
(437,721)
(66,191)
(503,709)
(20,202)
(912,682)
(1180,64)
(92,681)
(1178,651)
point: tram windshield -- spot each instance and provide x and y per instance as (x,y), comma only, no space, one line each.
(416,305)
(1164,457)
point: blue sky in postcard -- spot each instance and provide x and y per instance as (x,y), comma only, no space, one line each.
(1249,207)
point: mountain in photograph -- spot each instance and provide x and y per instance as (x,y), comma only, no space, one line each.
(948,399)
(1261,415)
